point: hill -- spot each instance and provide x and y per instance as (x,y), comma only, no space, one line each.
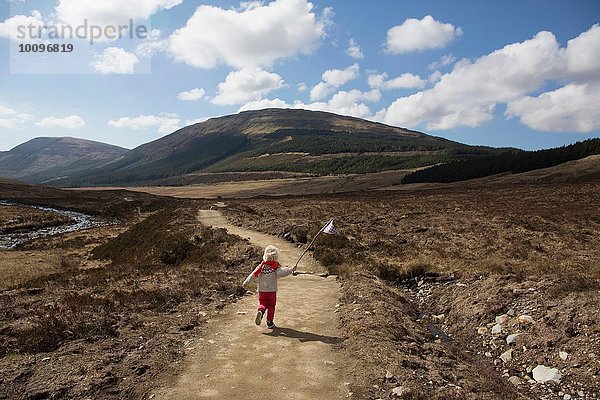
(501,163)
(45,158)
(278,140)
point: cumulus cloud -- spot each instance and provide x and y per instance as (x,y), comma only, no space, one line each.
(115,60)
(252,36)
(191,95)
(69,122)
(332,79)
(354,50)
(445,60)
(152,44)
(343,102)
(420,34)
(404,81)
(9,28)
(109,12)
(246,85)
(469,94)
(10,118)
(571,108)
(165,122)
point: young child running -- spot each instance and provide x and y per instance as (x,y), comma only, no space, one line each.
(267,274)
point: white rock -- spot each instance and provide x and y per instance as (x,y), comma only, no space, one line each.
(512,338)
(567,397)
(525,319)
(511,313)
(500,319)
(563,355)
(399,391)
(580,393)
(496,329)
(506,357)
(542,374)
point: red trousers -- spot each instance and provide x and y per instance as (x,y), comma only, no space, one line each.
(267,301)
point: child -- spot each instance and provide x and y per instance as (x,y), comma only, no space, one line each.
(267,273)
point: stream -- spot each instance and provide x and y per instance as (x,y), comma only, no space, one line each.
(78,221)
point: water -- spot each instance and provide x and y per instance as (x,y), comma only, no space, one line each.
(78,221)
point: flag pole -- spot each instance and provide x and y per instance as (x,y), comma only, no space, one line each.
(311,243)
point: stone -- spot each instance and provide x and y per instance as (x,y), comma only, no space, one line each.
(525,319)
(512,338)
(399,391)
(563,355)
(567,397)
(511,313)
(496,329)
(500,319)
(515,380)
(506,357)
(482,330)
(388,375)
(542,374)
(242,312)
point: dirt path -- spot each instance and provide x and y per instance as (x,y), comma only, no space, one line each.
(235,359)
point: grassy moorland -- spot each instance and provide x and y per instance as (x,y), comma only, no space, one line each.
(425,273)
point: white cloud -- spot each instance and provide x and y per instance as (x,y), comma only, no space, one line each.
(445,60)
(255,36)
(70,122)
(115,60)
(10,27)
(404,81)
(332,79)
(152,44)
(418,35)
(191,95)
(469,94)
(302,87)
(582,53)
(109,12)
(165,122)
(344,102)
(246,85)
(572,108)
(10,118)
(354,50)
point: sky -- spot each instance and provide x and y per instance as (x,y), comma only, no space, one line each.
(521,73)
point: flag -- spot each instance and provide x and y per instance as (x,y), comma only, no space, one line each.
(330,229)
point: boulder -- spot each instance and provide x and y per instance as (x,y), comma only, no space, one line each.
(542,374)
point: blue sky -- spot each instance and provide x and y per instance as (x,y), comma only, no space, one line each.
(515,73)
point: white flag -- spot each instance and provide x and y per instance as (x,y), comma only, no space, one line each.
(330,229)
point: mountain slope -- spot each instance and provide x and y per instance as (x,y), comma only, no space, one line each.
(278,140)
(46,158)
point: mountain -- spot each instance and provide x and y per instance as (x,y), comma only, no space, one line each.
(46,158)
(287,140)
(509,162)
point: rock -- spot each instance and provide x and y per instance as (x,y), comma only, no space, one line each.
(482,330)
(496,329)
(563,355)
(506,357)
(525,319)
(388,375)
(438,317)
(512,338)
(500,319)
(511,313)
(400,391)
(488,354)
(567,397)
(242,312)
(515,380)
(543,374)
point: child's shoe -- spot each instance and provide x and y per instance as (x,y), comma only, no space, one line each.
(259,317)
(270,324)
